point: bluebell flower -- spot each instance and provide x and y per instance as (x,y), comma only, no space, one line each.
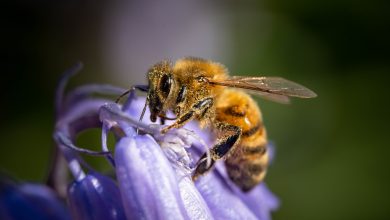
(152,171)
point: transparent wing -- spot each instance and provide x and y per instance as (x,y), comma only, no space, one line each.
(282,99)
(273,88)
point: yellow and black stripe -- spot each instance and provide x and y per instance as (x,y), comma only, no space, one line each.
(247,162)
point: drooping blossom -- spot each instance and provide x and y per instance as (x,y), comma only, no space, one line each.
(152,171)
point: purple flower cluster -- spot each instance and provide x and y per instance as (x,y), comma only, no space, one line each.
(153,171)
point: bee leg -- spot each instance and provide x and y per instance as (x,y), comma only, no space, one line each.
(197,109)
(180,121)
(230,135)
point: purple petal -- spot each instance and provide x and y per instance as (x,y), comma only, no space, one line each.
(59,97)
(30,201)
(147,181)
(81,116)
(194,203)
(223,202)
(95,197)
(260,200)
(86,91)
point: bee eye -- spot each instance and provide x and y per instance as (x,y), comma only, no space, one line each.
(165,84)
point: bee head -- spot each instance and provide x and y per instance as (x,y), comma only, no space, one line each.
(160,84)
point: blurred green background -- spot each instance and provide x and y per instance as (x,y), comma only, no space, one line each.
(332,151)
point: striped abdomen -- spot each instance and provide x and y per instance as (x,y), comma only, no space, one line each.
(248,161)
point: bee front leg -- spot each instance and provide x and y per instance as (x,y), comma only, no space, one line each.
(197,109)
(229,135)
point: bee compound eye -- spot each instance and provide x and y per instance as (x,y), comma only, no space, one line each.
(165,84)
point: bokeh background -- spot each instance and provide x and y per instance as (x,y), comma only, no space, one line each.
(332,151)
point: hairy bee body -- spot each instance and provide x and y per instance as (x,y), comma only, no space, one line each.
(247,162)
(189,73)
(198,89)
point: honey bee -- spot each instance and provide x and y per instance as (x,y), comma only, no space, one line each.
(194,88)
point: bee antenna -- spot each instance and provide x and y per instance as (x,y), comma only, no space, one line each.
(121,96)
(143,110)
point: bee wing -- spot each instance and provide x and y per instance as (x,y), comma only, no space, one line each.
(282,99)
(274,88)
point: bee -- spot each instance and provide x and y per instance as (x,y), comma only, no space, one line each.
(199,89)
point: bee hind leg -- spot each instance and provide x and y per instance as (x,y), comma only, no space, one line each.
(229,135)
